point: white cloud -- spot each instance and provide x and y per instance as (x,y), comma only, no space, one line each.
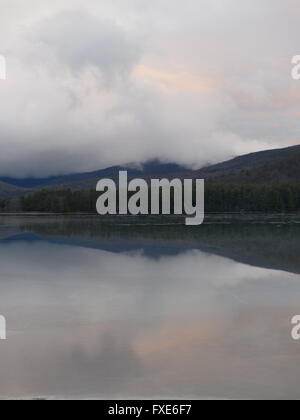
(96,83)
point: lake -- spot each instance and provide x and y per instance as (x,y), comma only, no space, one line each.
(116,310)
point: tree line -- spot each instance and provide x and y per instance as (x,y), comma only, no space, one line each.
(218,198)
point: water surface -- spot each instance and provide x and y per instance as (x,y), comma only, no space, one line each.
(97,311)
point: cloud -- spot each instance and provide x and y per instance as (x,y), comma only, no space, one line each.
(80,40)
(100,83)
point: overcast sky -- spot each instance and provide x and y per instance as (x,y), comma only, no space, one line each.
(92,83)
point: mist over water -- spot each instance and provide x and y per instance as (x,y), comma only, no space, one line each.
(124,313)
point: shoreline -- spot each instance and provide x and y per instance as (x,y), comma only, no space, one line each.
(281,218)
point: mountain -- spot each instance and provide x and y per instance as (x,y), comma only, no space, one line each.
(267,167)
(7,190)
(89,179)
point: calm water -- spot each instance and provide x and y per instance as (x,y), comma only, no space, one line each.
(148,312)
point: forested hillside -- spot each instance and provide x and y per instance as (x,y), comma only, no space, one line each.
(218,198)
(266,181)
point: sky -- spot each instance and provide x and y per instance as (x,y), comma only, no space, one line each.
(94,83)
